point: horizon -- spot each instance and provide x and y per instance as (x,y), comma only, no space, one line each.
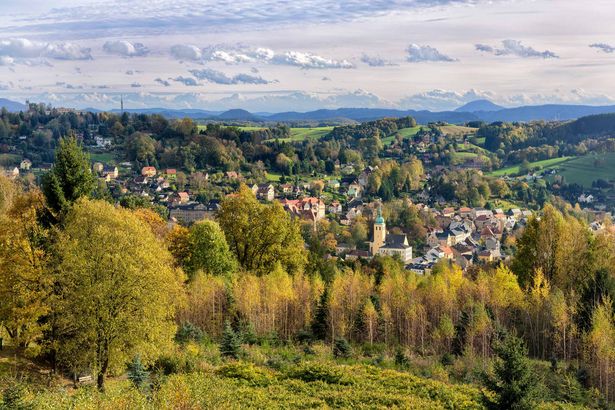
(266,56)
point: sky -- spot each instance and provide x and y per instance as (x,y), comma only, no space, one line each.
(280,55)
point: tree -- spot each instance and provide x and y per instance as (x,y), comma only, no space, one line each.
(24,279)
(136,372)
(513,383)
(70,178)
(230,344)
(261,235)
(119,291)
(209,250)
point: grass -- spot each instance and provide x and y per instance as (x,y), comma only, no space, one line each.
(9,160)
(404,132)
(104,157)
(588,168)
(457,130)
(544,164)
(273,177)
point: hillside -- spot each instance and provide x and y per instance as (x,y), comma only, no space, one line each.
(12,106)
(479,105)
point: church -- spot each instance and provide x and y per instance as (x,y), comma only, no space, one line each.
(387,244)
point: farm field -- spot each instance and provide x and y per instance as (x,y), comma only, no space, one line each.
(300,134)
(404,132)
(588,168)
(104,157)
(457,130)
(545,164)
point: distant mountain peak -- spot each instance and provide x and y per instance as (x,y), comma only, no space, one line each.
(479,105)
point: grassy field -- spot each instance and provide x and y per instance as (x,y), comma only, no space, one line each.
(300,134)
(404,132)
(9,160)
(588,168)
(545,164)
(273,177)
(104,157)
(457,130)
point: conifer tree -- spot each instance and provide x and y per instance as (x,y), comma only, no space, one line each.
(513,382)
(136,372)
(230,345)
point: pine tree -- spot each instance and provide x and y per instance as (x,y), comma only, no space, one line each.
(230,345)
(513,382)
(136,372)
(70,178)
(319,325)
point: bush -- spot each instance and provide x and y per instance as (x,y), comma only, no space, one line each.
(177,363)
(341,348)
(248,334)
(401,359)
(373,349)
(447,359)
(245,371)
(311,372)
(304,336)
(16,397)
(188,332)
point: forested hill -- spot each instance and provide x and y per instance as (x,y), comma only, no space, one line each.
(601,125)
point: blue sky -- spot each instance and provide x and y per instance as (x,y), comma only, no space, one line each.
(275,55)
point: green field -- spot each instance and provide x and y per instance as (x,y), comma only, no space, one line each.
(273,177)
(104,157)
(588,168)
(457,130)
(9,160)
(404,132)
(300,134)
(545,164)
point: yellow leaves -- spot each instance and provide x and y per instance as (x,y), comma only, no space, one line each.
(348,293)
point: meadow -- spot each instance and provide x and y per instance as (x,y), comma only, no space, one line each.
(544,164)
(588,168)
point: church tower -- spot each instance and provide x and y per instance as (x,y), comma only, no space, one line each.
(380,233)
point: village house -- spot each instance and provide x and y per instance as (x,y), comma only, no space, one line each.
(335,207)
(148,172)
(25,164)
(110,172)
(188,213)
(264,192)
(354,191)
(312,209)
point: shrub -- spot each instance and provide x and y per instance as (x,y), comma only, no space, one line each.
(188,332)
(447,359)
(245,371)
(311,372)
(341,348)
(401,359)
(17,397)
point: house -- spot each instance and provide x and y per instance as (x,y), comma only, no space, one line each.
(335,207)
(110,172)
(25,165)
(389,244)
(148,171)
(232,175)
(343,248)
(363,178)
(354,190)
(448,212)
(12,172)
(265,192)
(188,213)
(465,212)
(287,188)
(181,198)
(333,184)
(171,173)
(312,209)
(480,212)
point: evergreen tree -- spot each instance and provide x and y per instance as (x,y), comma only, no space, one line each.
(70,178)
(321,316)
(136,372)
(513,381)
(341,348)
(230,345)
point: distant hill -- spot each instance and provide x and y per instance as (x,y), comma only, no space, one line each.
(482,110)
(238,115)
(12,106)
(478,106)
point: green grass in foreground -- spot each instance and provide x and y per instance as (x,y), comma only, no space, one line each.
(545,164)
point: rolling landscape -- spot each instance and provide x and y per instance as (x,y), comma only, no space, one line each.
(310,205)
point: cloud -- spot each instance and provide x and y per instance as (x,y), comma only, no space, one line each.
(125,48)
(244,54)
(375,61)
(603,47)
(186,52)
(162,82)
(26,50)
(188,81)
(417,54)
(442,100)
(135,85)
(515,48)
(6,60)
(218,77)
(309,60)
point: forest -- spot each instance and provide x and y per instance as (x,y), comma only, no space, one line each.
(187,314)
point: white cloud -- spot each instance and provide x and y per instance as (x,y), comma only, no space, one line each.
(186,52)
(418,53)
(125,48)
(309,60)
(515,48)
(375,61)
(218,77)
(162,82)
(442,100)
(188,81)
(22,48)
